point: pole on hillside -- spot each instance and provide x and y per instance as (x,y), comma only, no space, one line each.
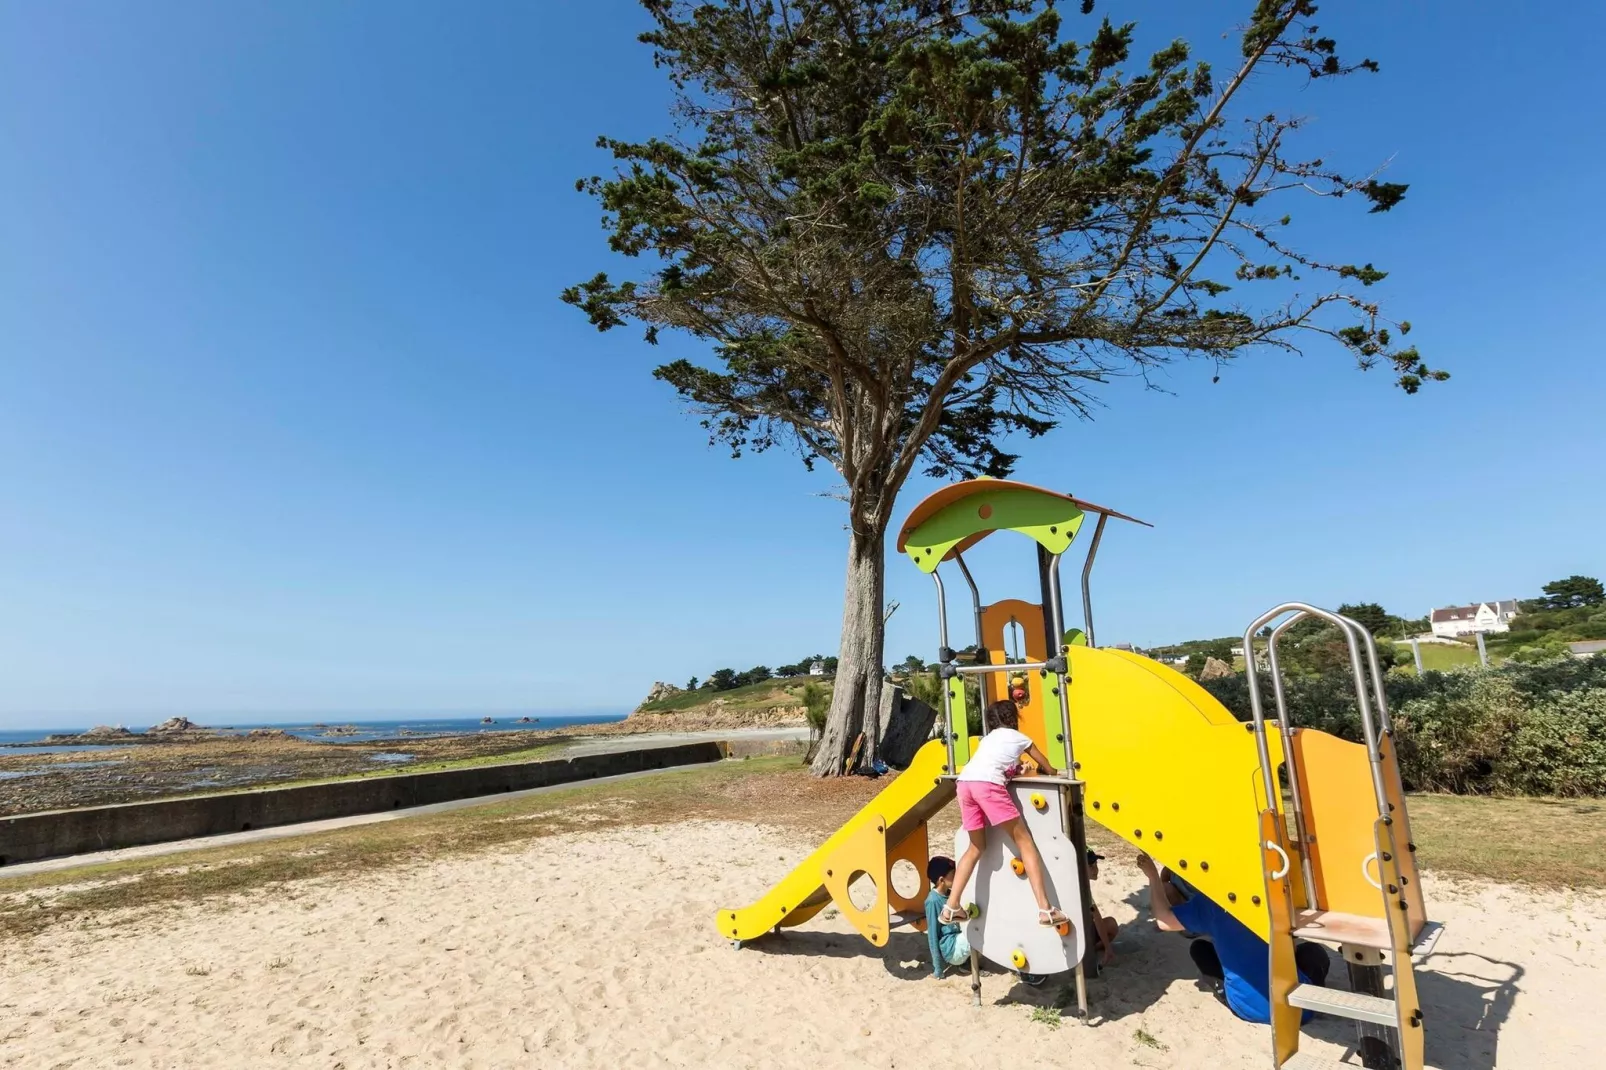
(1416,653)
(1483,652)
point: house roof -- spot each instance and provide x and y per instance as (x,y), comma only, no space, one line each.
(1504,607)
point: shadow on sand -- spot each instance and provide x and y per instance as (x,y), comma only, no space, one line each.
(1466,997)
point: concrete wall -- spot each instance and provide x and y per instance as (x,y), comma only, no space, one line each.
(55,833)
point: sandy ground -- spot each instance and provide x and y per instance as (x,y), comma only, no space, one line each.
(598,950)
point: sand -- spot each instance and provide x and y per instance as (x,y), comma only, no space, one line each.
(598,950)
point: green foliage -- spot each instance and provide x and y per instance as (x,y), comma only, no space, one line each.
(1574,592)
(816,701)
(1518,729)
(722,680)
(907,232)
(1369,615)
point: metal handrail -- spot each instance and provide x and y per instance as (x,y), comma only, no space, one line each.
(1286,728)
(1087,594)
(1013,666)
(1358,667)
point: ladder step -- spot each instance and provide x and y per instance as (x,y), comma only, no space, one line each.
(1342,1004)
(1305,1061)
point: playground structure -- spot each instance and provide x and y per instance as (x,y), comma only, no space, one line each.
(1296,833)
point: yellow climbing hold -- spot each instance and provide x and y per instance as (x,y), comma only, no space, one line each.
(1017,958)
(1018,866)
(1038,802)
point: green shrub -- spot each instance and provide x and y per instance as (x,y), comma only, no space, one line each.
(1559,748)
(1534,727)
(816,704)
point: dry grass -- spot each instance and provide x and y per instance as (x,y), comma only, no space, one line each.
(774,790)
(1534,841)
(1553,843)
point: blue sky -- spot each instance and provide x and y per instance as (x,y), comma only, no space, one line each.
(292,420)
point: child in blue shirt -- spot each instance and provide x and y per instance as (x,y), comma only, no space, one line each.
(1228,953)
(947,941)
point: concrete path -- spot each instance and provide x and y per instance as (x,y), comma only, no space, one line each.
(279,832)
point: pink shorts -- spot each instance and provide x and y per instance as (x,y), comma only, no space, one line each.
(982,803)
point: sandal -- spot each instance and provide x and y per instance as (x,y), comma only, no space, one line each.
(953,915)
(1052,917)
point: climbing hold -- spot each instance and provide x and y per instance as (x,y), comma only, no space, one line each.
(1038,802)
(1018,866)
(1017,681)
(1063,928)
(1017,958)
(1018,694)
(972,911)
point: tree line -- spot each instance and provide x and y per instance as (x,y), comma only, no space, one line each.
(730,679)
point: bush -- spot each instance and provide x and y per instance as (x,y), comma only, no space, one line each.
(1525,728)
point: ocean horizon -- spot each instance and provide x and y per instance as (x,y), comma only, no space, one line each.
(368,727)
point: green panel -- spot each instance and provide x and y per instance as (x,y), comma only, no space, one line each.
(1075,637)
(1050,520)
(1055,751)
(959,722)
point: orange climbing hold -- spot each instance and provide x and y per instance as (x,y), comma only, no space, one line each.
(1018,866)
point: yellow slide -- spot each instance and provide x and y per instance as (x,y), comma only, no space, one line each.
(891,826)
(1166,767)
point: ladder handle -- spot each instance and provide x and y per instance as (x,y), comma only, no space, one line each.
(1272,845)
(1366,861)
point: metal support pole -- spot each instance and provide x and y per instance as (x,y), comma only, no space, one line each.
(975,600)
(1416,654)
(1072,820)
(975,977)
(1087,594)
(1375,1043)
(947,698)
(1483,651)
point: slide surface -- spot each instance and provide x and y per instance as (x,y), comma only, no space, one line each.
(897,813)
(1171,771)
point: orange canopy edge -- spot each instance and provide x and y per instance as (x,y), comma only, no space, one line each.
(956,492)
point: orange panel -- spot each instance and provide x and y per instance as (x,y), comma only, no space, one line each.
(995,686)
(1336,780)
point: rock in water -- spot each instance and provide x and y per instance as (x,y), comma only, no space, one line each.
(1214,669)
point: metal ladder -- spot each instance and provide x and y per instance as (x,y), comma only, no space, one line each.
(1388,1021)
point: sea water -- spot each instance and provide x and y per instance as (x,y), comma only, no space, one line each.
(318,727)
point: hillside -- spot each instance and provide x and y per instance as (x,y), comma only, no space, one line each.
(769,702)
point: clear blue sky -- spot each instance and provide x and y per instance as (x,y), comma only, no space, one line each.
(291,418)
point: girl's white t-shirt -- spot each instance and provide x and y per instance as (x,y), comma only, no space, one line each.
(996,756)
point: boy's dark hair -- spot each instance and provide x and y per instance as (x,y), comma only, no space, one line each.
(1002,715)
(938,867)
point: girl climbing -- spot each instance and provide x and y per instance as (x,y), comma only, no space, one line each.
(984,801)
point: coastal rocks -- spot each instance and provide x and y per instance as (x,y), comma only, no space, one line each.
(99,734)
(1214,669)
(268,733)
(340,730)
(176,726)
(660,690)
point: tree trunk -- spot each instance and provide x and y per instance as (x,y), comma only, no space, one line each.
(856,699)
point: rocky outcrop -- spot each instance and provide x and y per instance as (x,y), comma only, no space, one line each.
(660,690)
(176,726)
(1214,669)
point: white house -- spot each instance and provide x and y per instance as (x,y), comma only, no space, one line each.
(1482,617)
(816,668)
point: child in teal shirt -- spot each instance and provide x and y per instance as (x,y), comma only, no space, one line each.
(948,944)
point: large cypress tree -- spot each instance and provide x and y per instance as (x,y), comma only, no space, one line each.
(907,228)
